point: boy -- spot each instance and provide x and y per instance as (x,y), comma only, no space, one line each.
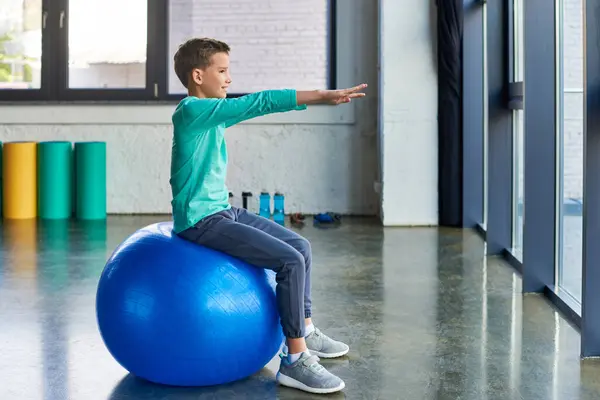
(202,213)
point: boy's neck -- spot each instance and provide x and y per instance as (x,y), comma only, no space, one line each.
(195,91)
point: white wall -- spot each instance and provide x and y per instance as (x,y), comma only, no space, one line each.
(408,114)
(335,163)
(336,150)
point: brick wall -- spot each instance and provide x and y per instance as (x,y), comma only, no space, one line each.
(573,98)
(275,44)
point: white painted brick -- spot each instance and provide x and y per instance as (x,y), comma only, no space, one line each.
(274,43)
(409,132)
(338,176)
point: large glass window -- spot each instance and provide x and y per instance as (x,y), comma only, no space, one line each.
(274,43)
(112,58)
(20,44)
(570,146)
(518,129)
(123,49)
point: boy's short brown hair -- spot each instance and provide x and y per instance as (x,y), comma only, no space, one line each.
(196,53)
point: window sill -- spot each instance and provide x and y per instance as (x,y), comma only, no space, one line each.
(150,114)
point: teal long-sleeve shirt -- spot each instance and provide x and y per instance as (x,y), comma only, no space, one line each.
(199,151)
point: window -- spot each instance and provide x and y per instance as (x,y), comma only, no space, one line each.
(56,50)
(518,133)
(101,58)
(20,44)
(570,99)
(275,44)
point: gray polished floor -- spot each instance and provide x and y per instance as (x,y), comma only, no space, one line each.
(425,314)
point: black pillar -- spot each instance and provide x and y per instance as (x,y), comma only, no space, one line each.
(450,140)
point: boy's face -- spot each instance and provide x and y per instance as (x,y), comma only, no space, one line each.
(215,79)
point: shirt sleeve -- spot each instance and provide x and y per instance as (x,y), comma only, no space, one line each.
(207,113)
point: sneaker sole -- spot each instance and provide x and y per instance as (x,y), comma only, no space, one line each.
(329,355)
(292,383)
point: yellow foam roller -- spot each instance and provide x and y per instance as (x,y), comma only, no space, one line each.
(19,183)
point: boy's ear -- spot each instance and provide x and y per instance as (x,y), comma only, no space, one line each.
(197,76)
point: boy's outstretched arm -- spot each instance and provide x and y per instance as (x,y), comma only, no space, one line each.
(205,113)
(212,112)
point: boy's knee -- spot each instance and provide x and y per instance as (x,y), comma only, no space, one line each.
(303,247)
(294,260)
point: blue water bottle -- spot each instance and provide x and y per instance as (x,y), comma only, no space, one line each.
(278,209)
(264,209)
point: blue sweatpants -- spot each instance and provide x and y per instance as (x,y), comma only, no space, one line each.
(264,243)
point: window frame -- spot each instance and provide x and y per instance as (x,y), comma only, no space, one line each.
(55,78)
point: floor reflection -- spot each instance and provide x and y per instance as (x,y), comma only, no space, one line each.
(427,316)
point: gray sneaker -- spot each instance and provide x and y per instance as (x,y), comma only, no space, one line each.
(323,346)
(308,375)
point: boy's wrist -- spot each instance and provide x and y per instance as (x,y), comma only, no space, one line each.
(309,97)
(322,95)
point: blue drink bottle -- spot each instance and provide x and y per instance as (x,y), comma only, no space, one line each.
(265,205)
(278,209)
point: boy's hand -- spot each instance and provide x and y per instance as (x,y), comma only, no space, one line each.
(333,97)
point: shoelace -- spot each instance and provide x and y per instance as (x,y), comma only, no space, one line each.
(321,335)
(313,363)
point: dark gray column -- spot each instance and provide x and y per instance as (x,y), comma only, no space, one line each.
(473,113)
(499,221)
(590,315)
(540,146)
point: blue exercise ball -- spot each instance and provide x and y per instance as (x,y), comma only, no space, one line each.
(176,313)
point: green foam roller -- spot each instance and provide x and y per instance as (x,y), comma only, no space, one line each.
(54,179)
(90,180)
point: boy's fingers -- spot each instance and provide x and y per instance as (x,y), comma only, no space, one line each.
(357,88)
(348,91)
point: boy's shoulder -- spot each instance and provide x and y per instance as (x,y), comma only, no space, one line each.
(183,108)
(188,101)
(190,110)
(192,104)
